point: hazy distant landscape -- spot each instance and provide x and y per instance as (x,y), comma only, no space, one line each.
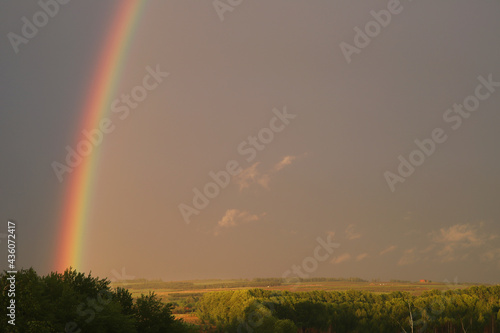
(187,292)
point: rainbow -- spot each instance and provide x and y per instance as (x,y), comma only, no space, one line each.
(110,62)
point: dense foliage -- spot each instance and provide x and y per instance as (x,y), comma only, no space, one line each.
(476,309)
(75,302)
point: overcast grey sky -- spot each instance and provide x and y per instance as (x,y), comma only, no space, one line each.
(357,109)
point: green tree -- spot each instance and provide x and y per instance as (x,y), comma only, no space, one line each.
(124,298)
(75,302)
(285,326)
(151,314)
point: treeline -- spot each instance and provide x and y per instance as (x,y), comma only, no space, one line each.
(240,283)
(323,279)
(188,285)
(476,309)
(74,302)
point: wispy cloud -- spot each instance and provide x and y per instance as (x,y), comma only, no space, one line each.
(351,233)
(264,180)
(248,176)
(491,255)
(252,175)
(361,256)
(428,249)
(235,217)
(453,241)
(409,257)
(342,258)
(464,234)
(287,160)
(387,250)
(459,242)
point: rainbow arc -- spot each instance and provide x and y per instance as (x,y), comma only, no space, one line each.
(109,65)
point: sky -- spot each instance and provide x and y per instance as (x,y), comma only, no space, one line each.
(347,139)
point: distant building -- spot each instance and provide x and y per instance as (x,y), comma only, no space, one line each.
(424,281)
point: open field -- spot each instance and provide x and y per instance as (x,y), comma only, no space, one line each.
(201,286)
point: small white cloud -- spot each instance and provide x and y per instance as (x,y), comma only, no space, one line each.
(361,256)
(248,176)
(459,242)
(252,175)
(342,258)
(264,181)
(287,160)
(235,217)
(350,232)
(454,243)
(387,250)
(458,234)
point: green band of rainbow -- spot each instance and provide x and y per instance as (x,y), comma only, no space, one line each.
(70,244)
